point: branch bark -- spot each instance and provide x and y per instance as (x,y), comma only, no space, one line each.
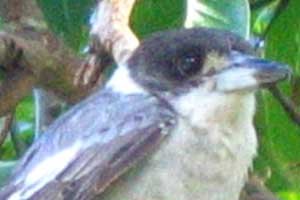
(7,122)
(58,68)
(38,66)
(111,29)
(45,61)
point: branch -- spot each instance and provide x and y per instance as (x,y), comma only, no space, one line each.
(55,68)
(111,36)
(6,127)
(255,189)
(37,66)
(111,29)
(287,104)
(45,61)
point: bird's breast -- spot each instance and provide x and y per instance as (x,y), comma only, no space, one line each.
(189,165)
(202,159)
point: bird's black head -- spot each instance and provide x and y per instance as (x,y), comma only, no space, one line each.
(174,59)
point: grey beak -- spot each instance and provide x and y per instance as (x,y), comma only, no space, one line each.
(248,73)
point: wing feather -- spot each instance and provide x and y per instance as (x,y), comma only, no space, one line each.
(92,144)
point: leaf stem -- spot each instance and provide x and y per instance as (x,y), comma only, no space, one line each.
(287,104)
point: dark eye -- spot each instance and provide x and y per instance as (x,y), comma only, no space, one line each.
(188,66)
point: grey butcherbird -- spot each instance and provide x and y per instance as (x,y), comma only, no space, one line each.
(182,106)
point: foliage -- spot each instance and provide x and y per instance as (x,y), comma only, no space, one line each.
(23,128)
(221,14)
(280,149)
(149,16)
(262,16)
(69,19)
(279,136)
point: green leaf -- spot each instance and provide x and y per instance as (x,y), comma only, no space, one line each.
(24,127)
(290,195)
(279,135)
(25,110)
(155,15)
(7,150)
(68,18)
(262,17)
(25,117)
(231,15)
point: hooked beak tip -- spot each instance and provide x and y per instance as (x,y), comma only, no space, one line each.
(250,73)
(271,73)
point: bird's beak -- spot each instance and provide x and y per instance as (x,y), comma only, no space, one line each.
(248,73)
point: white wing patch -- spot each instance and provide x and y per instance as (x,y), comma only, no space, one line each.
(46,171)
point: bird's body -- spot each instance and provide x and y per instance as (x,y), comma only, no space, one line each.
(179,114)
(205,157)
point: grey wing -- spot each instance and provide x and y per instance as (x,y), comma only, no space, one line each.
(90,146)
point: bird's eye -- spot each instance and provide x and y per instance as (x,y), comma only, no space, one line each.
(188,66)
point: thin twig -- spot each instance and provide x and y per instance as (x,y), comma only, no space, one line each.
(6,127)
(287,104)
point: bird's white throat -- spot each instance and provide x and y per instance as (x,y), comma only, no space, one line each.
(121,82)
(217,129)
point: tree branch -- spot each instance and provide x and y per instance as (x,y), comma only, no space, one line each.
(111,36)
(287,104)
(6,127)
(45,61)
(56,68)
(111,29)
(37,66)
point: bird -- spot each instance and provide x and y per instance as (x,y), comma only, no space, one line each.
(173,122)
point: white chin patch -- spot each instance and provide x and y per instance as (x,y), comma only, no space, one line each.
(121,82)
(235,79)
